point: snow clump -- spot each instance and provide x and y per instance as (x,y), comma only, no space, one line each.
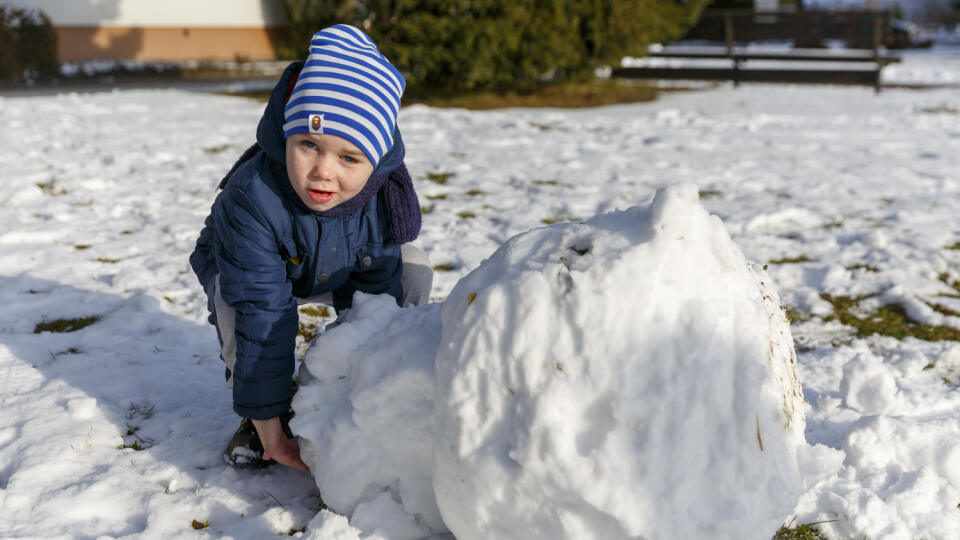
(629,376)
(364,415)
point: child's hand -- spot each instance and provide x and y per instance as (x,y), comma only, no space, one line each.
(277,446)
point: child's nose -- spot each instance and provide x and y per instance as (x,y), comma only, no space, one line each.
(324,166)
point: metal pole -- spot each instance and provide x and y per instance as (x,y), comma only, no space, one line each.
(878,20)
(728,37)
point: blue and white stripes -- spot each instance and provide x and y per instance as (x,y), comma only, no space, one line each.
(346,88)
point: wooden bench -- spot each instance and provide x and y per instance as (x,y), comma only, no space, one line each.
(864,68)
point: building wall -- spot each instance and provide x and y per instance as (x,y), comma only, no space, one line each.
(162,30)
(158,13)
(171,44)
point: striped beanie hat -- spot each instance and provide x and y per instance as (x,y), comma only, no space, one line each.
(346,88)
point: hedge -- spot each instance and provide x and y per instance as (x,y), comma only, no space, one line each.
(28,44)
(463,45)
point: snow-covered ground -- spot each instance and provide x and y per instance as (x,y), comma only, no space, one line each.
(103,195)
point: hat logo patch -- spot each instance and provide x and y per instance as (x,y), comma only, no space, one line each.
(316,123)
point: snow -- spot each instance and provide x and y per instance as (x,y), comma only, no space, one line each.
(863,186)
(627,377)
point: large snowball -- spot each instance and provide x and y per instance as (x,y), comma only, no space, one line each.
(626,377)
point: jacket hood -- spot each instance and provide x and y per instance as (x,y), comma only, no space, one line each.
(270,130)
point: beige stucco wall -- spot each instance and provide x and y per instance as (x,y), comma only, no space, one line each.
(159,13)
(162,30)
(79,43)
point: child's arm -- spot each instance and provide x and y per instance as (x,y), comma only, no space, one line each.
(201,261)
(254,283)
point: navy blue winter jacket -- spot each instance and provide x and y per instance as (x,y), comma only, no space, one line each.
(268,248)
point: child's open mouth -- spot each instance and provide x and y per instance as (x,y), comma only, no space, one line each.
(320,196)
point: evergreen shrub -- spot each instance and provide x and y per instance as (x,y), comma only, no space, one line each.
(451,46)
(28,44)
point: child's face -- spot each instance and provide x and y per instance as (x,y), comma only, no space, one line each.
(326,170)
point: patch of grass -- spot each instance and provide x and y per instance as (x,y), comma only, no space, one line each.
(709,194)
(311,329)
(791,260)
(943,310)
(216,149)
(466,214)
(543,127)
(864,266)
(592,93)
(795,315)
(439,177)
(445,267)
(888,320)
(108,260)
(312,311)
(426,209)
(558,219)
(439,197)
(134,445)
(955,285)
(308,331)
(200,525)
(955,246)
(545,182)
(476,192)
(127,231)
(808,531)
(943,108)
(137,443)
(81,247)
(835,224)
(62,326)
(51,188)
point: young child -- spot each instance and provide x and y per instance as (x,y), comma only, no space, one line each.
(320,207)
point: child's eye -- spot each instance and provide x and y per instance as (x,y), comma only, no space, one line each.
(308,143)
(349,159)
